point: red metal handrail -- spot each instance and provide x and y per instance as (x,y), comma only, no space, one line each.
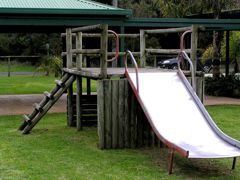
(135,66)
(184,55)
(116,46)
(182,46)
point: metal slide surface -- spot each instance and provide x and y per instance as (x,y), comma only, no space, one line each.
(176,115)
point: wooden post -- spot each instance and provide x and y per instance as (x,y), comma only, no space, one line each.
(155,61)
(79,81)
(122,46)
(79,46)
(69,65)
(69,47)
(104,50)
(9,66)
(194,43)
(142,48)
(88,80)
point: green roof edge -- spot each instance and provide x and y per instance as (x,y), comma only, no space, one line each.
(121,12)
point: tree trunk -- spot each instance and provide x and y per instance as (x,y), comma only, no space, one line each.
(216,54)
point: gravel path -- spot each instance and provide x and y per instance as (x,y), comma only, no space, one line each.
(23,104)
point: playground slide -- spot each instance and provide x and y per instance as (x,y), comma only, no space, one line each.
(178,117)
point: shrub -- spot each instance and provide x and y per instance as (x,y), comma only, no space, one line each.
(228,86)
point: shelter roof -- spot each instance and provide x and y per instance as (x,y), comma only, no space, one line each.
(85,7)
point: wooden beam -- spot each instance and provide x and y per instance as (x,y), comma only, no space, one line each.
(98,35)
(169,30)
(86,28)
(166,51)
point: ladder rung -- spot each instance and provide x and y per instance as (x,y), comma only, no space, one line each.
(27,119)
(37,107)
(47,94)
(59,83)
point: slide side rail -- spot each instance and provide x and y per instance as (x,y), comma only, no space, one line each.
(135,66)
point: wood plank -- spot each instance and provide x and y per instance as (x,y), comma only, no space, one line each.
(126,116)
(101,124)
(107,112)
(166,51)
(133,124)
(139,127)
(115,100)
(121,112)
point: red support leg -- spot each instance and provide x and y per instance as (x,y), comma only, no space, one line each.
(234,163)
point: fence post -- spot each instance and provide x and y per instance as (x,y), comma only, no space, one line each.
(142,48)
(9,66)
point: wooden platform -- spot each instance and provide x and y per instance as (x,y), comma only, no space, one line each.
(94,73)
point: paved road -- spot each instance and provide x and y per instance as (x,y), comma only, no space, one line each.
(21,74)
(23,104)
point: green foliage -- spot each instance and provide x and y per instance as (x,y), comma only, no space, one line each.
(234,51)
(234,44)
(51,64)
(224,86)
(207,54)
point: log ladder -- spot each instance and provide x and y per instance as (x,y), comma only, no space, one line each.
(48,101)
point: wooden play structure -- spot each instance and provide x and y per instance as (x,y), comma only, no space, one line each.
(114,108)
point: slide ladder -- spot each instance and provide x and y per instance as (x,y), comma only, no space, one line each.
(50,98)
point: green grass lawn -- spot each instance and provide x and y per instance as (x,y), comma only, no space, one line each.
(55,151)
(16,67)
(31,84)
